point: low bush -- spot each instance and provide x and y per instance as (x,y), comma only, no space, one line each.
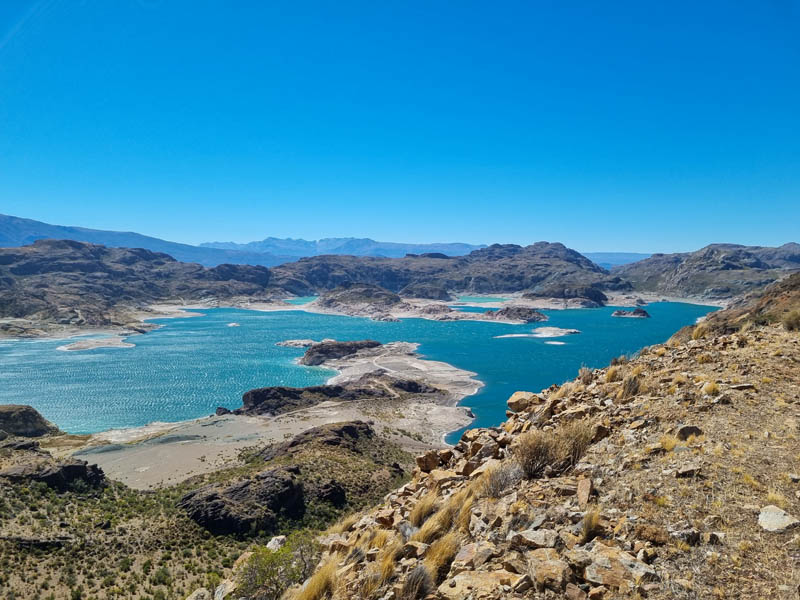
(539,453)
(501,478)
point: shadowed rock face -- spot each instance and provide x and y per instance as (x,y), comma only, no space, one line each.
(345,435)
(323,351)
(25,421)
(58,475)
(278,399)
(247,506)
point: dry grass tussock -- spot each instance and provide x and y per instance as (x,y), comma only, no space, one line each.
(321,584)
(423,509)
(417,585)
(613,374)
(441,554)
(501,478)
(541,453)
(792,321)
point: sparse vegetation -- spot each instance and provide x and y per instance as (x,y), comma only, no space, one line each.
(417,585)
(540,452)
(501,478)
(792,321)
(613,374)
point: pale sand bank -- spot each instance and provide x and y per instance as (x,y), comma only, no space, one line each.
(106,342)
(541,332)
(161,454)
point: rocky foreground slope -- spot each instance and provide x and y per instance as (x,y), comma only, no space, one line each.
(672,475)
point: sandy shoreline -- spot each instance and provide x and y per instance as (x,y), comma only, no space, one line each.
(161,454)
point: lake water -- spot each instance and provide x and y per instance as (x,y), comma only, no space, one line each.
(192,365)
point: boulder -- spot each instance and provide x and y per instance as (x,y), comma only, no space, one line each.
(535,538)
(520,401)
(615,568)
(428,462)
(771,518)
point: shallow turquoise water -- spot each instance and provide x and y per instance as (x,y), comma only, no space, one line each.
(192,365)
(480,299)
(300,300)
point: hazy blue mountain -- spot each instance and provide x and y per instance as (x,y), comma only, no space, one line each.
(607,260)
(15,231)
(346,246)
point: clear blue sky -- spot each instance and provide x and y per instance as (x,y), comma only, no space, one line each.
(631,126)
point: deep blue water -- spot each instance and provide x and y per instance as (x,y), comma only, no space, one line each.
(192,365)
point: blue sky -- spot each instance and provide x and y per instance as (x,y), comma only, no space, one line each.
(629,126)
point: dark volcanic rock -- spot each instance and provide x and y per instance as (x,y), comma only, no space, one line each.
(25,421)
(279,399)
(516,313)
(59,475)
(247,506)
(637,313)
(319,353)
(221,410)
(347,435)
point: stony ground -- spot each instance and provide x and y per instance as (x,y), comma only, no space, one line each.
(682,483)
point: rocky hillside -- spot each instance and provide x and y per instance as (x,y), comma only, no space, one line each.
(716,271)
(74,283)
(68,530)
(496,269)
(672,475)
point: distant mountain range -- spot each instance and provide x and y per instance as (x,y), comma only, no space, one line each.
(15,231)
(269,252)
(299,248)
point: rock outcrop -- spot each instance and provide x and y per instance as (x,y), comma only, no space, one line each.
(249,506)
(60,475)
(25,421)
(716,271)
(515,313)
(320,352)
(636,313)
(500,268)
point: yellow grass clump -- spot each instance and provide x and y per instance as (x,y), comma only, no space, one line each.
(710,388)
(422,509)
(613,374)
(441,554)
(321,584)
(668,442)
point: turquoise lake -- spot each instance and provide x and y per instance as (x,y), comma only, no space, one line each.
(192,365)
